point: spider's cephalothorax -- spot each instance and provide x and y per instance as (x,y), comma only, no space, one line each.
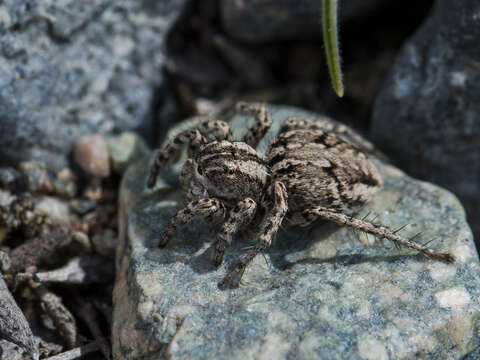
(312,170)
(230,171)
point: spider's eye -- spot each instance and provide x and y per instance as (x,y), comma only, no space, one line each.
(200,170)
(231,172)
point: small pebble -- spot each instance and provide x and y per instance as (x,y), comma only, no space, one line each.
(80,242)
(36,176)
(56,209)
(91,154)
(83,206)
(5,262)
(65,183)
(125,149)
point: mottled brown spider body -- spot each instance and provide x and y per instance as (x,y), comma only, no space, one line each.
(312,170)
(320,169)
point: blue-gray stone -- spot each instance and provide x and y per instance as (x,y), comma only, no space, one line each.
(317,294)
(426,117)
(70,68)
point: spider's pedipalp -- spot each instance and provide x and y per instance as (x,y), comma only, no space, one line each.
(271,225)
(210,207)
(240,215)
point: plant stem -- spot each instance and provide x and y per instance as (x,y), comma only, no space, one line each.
(330,39)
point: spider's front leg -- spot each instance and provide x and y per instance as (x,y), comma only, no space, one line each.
(194,138)
(241,214)
(378,231)
(270,227)
(263,122)
(209,207)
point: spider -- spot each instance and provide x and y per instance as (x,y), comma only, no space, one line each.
(310,171)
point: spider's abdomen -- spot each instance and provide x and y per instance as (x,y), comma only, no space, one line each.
(321,169)
(232,171)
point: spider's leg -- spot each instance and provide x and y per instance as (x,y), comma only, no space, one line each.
(343,131)
(172,150)
(240,215)
(272,222)
(263,121)
(378,231)
(203,207)
(219,129)
(194,138)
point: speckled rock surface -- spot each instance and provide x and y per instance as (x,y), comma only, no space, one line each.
(317,294)
(258,21)
(431,98)
(70,68)
(10,351)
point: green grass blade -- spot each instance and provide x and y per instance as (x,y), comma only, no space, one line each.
(330,39)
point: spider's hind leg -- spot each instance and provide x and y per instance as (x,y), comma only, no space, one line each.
(338,129)
(380,232)
(263,122)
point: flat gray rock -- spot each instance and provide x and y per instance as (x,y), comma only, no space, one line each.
(317,293)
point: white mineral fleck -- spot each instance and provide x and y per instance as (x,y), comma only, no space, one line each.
(370,348)
(364,309)
(389,293)
(458,78)
(145,308)
(274,346)
(442,272)
(453,297)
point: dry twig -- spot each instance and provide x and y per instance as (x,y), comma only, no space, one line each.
(61,316)
(76,353)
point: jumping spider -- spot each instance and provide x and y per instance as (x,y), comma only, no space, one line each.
(310,171)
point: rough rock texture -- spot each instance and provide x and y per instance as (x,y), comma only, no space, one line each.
(428,115)
(318,293)
(258,21)
(10,351)
(70,68)
(13,326)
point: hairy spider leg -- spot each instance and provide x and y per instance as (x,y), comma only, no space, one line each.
(271,225)
(263,122)
(240,215)
(194,138)
(343,131)
(378,231)
(210,207)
